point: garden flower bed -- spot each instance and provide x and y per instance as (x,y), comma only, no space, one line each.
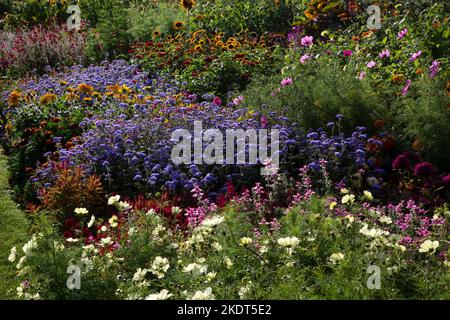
(201,161)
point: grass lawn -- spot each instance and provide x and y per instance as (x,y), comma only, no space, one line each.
(13,232)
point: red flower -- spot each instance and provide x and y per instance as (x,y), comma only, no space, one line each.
(424,168)
(401,162)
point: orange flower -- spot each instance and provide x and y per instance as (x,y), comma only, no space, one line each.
(187,4)
(48,98)
(178,25)
(14,98)
(85,88)
(417,145)
(379,123)
(419,71)
(397,78)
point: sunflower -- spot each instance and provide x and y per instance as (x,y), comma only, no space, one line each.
(187,4)
(156,33)
(178,25)
(198,48)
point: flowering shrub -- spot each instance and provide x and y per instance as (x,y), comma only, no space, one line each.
(26,51)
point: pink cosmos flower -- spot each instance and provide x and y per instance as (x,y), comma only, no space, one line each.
(237,101)
(362,75)
(307,41)
(434,68)
(402,33)
(415,55)
(286,82)
(305,58)
(371,64)
(384,54)
(406,87)
(347,53)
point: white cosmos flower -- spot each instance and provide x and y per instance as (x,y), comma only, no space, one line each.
(151,212)
(213,221)
(163,295)
(385,219)
(195,269)
(72,240)
(372,233)
(113,221)
(288,242)
(368,195)
(160,266)
(12,255)
(139,275)
(21,262)
(81,211)
(123,206)
(203,295)
(429,246)
(176,210)
(210,276)
(348,198)
(228,262)
(91,222)
(245,241)
(217,246)
(113,200)
(104,242)
(30,245)
(350,218)
(336,257)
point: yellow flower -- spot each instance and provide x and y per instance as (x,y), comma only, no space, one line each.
(397,78)
(48,98)
(333,205)
(368,195)
(85,88)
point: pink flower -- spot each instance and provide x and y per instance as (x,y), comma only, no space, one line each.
(217,101)
(446,179)
(362,75)
(347,53)
(406,87)
(264,122)
(415,55)
(424,168)
(434,68)
(371,64)
(274,93)
(286,82)
(401,162)
(237,101)
(305,58)
(307,41)
(384,54)
(402,33)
